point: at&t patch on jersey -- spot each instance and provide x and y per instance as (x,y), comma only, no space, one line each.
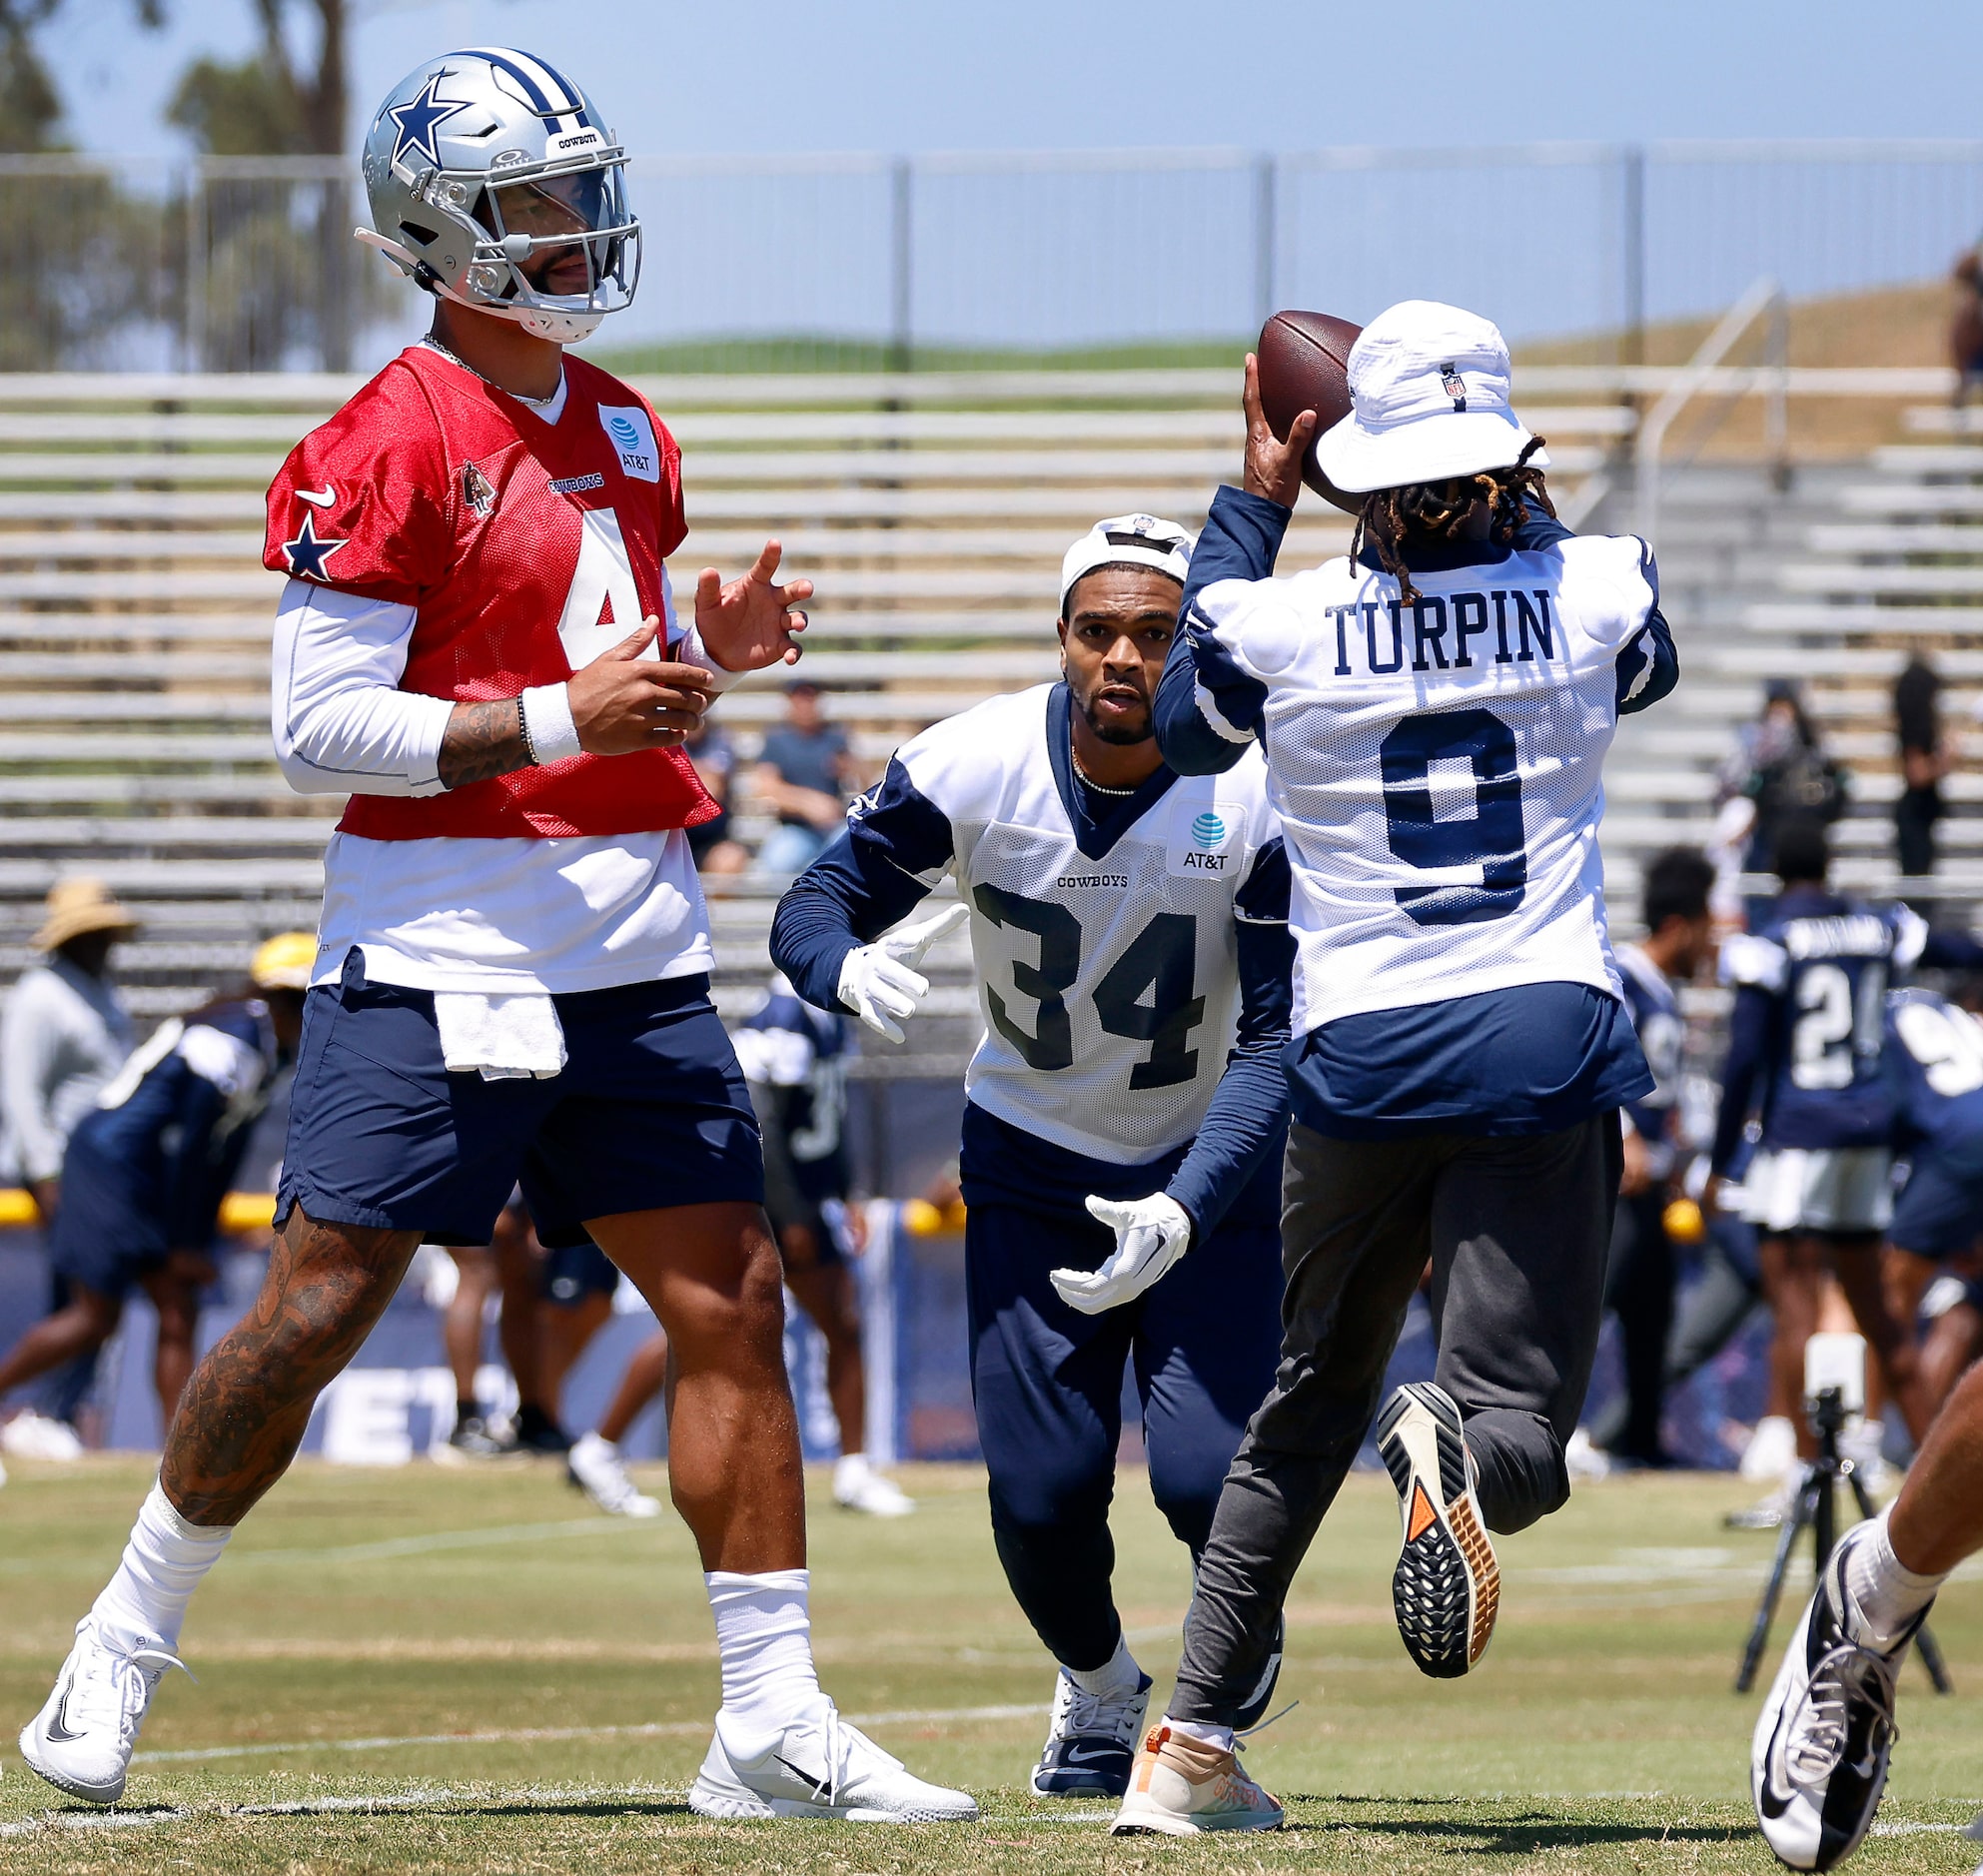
(632,432)
(1206,841)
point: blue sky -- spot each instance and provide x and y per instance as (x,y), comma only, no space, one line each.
(805,75)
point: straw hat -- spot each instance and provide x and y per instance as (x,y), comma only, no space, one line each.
(76,906)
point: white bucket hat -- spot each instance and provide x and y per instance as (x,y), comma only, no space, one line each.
(1429,388)
(1138,539)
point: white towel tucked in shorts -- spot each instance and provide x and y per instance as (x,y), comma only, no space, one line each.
(506,1037)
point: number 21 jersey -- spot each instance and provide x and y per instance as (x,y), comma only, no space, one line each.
(1108,972)
(1437,764)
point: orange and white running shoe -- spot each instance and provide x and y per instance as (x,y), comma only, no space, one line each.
(1180,1786)
(1446,1587)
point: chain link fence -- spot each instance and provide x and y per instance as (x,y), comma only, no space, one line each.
(864,262)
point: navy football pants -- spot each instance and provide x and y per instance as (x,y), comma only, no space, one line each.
(1048,1384)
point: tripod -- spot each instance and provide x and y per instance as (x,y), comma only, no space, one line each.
(1812,1509)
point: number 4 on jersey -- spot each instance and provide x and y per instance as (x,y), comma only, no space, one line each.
(602,606)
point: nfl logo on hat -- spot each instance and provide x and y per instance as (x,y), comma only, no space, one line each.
(1453,385)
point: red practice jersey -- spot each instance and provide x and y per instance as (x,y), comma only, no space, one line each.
(525,548)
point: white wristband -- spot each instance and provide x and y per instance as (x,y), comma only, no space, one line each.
(548,719)
(690,649)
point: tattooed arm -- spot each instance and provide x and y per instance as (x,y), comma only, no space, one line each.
(483,740)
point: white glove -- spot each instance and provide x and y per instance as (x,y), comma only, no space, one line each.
(879,983)
(1151,1235)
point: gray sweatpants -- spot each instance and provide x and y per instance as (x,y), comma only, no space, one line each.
(1516,1231)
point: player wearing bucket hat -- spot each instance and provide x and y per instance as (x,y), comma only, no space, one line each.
(1434,710)
(79,906)
(1124,1108)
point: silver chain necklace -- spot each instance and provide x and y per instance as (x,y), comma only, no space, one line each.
(1101,788)
(447,351)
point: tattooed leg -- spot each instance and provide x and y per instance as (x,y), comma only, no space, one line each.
(243,1413)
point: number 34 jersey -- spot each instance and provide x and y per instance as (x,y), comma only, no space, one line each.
(1106,954)
(1437,765)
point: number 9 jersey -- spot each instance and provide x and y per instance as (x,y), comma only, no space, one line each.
(1104,940)
(1437,764)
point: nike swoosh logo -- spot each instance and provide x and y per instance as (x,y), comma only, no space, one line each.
(817,1783)
(57,1731)
(1091,1755)
(1772,1806)
(318,500)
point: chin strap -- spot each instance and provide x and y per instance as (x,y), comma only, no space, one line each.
(541,322)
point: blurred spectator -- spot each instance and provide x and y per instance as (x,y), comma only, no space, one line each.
(1779,765)
(1640,1276)
(804,775)
(1917,718)
(714,845)
(1966,324)
(64,1034)
(507,1266)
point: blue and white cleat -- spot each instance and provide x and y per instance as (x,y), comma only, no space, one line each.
(82,1739)
(1091,1741)
(1818,1762)
(1447,1588)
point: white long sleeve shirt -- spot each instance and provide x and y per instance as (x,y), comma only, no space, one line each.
(490,916)
(63,1035)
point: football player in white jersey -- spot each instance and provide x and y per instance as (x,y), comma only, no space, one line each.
(1125,1106)
(1434,710)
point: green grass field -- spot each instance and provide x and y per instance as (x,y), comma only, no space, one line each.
(426,1670)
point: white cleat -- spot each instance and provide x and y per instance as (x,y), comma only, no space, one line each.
(82,1739)
(857,1487)
(819,1766)
(33,1436)
(1181,1787)
(595,1468)
(1818,1759)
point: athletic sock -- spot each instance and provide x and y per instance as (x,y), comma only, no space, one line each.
(1117,1677)
(764,1636)
(1204,1732)
(162,1566)
(531,1420)
(467,1411)
(1885,1595)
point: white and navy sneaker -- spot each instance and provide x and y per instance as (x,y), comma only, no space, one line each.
(1091,1740)
(1254,1709)
(82,1739)
(819,1766)
(1447,1588)
(595,1468)
(1818,1762)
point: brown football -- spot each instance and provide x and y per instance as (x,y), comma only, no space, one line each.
(1304,366)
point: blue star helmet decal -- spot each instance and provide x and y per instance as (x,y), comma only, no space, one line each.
(307,554)
(418,118)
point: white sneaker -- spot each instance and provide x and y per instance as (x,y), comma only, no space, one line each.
(1180,1787)
(857,1487)
(1771,1452)
(1091,1740)
(595,1468)
(1824,1738)
(82,1739)
(33,1436)
(1447,1588)
(819,1766)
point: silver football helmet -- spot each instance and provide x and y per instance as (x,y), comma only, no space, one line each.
(493,182)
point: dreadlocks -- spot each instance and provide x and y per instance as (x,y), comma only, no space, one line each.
(1438,509)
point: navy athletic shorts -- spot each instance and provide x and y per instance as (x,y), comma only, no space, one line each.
(105,1236)
(649,1111)
(1940,1210)
(573,1272)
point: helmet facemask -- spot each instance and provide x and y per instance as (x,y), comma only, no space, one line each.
(555,246)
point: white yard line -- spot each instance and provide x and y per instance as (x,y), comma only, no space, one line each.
(443,1541)
(525,1735)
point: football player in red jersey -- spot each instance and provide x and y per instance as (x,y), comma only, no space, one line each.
(477,644)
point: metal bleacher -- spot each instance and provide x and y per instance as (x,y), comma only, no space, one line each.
(133,610)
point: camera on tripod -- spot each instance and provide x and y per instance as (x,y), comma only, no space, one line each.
(1834,1400)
